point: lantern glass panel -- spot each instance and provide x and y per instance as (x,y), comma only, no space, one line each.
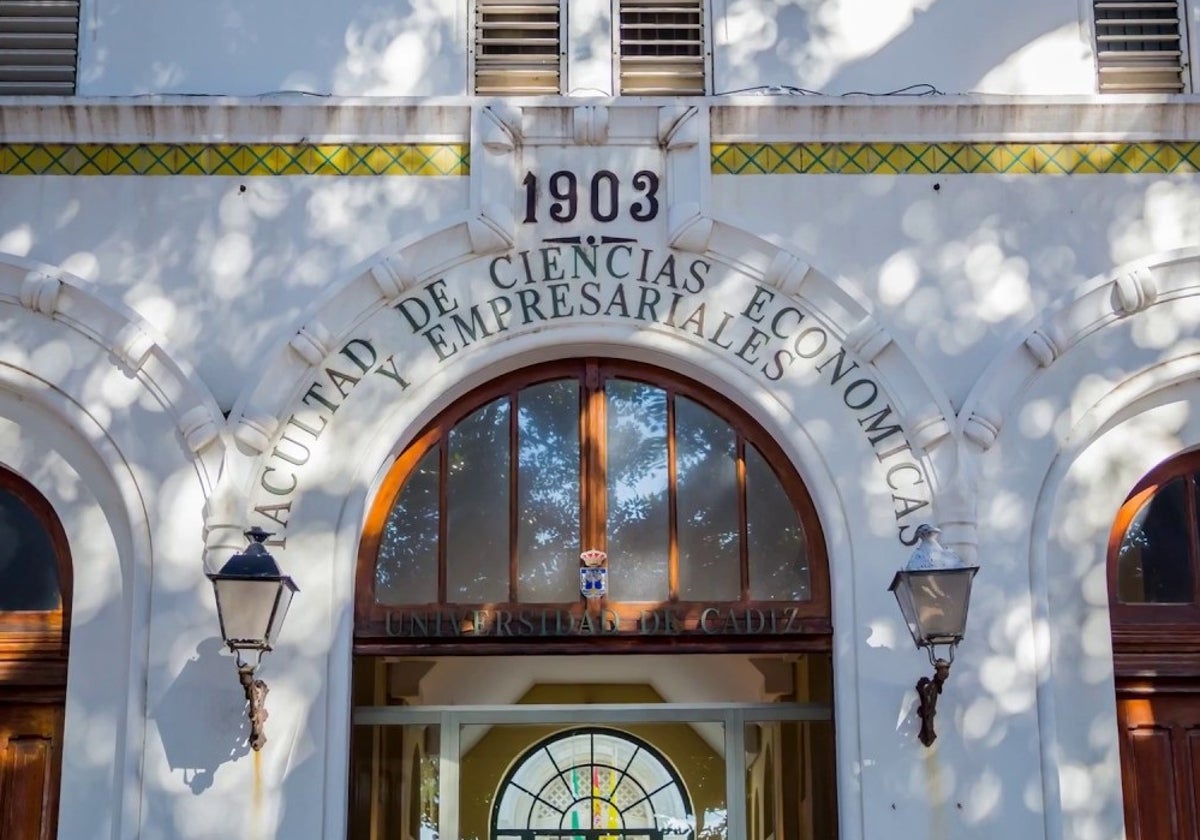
(939,601)
(246,607)
(286,591)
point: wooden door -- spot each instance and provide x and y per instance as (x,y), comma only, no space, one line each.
(30,757)
(1160,763)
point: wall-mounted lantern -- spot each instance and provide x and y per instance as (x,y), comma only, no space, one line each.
(933,590)
(252,600)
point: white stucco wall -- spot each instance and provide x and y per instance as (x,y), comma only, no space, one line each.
(421,47)
(153,304)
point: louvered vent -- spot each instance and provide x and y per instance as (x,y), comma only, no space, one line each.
(517,47)
(38,46)
(1139,47)
(662,46)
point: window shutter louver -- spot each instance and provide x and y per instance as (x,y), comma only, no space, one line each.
(517,47)
(661,47)
(38,46)
(1139,46)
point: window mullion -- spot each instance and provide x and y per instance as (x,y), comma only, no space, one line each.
(443,510)
(743,519)
(514,463)
(672,499)
(1193,538)
(594,452)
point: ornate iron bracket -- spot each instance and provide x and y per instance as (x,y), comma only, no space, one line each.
(256,698)
(928,691)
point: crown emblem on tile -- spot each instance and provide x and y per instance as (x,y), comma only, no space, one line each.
(593,557)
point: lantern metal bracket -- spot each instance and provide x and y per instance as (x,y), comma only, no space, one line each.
(256,698)
(927,692)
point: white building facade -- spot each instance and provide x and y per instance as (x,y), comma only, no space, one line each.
(258,261)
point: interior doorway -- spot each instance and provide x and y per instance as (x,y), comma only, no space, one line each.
(593,747)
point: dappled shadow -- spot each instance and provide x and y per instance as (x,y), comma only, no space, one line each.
(201,717)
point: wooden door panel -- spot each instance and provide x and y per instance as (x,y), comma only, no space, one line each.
(1160,765)
(30,744)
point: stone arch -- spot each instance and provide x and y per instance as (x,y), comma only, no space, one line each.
(318,498)
(1056,433)
(114,433)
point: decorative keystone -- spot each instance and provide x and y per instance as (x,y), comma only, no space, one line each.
(1134,291)
(787,272)
(867,339)
(689,229)
(254,431)
(199,429)
(1042,345)
(590,124)
(312,343)
(40,292)
(494,230)
(678,127)
(394,275)
(133,346)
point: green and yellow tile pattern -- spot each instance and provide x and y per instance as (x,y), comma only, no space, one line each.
(234,159)
(353,159)
(1158,157)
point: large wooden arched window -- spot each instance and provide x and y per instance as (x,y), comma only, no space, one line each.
(1154,598)
(35,597)
(693,504)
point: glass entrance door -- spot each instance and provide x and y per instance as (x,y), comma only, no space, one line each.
(646,769)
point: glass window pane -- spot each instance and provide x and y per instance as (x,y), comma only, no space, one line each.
(548,476)
(1154,563)
(707,505)
(477,501)
(638,521)
(789,780)
(778,558)
(645,779)
(394,782)
(28,564)
(406,570)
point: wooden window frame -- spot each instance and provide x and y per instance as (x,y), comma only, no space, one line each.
(812,616)
(1157,639)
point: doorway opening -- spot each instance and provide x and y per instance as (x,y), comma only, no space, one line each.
(593,747)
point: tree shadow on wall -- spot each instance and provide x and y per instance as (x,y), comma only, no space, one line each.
(202,717)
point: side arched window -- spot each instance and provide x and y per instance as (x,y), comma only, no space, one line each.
(35,599)
(35,572)
(1154,548)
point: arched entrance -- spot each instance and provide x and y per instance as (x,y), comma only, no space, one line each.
(1154,596)
(592,546)
(35,597)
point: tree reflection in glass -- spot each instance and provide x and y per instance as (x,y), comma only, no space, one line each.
(548,476)
(706,504)
(775,535)
(28,564)
(1154,561)
(406,568)
(477,502)
(638,520)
